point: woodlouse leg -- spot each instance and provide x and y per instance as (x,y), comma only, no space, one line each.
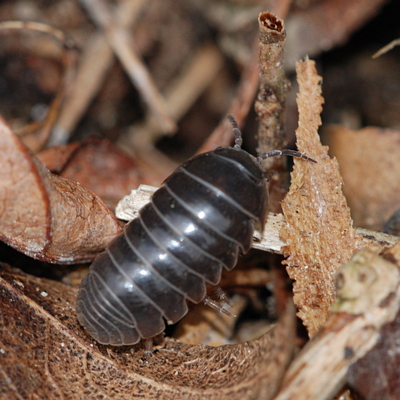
(148,348)
(213,304)
(221,295)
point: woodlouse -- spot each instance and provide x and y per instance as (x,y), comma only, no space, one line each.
(194,225)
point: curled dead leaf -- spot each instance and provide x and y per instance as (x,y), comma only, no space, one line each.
(41,338)
(45,44)
(97,164)
(55,158)
(44,216)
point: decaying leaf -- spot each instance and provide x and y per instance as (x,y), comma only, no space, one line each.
(44,353)
(45,216)
(320,369)
(97,164)
(319,234)
(55,157)
(325,24)
(364,283)
(46,43)
(372,193)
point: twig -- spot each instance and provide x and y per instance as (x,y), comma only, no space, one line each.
(123,46)
(95,61)
(180,96)
(271,99)
(270,104)
(245,92)
(387,48)
(222,134)
(129,206)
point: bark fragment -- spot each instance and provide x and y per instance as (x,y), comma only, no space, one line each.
(319,234)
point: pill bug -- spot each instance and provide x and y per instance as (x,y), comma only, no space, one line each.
(195,224)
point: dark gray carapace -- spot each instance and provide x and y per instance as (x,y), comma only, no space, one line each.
(195,224)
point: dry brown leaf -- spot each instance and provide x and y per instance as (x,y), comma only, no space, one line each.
(44,216)
(44,353)
(368,298)
(55,158)
(325,24)
(100,166)
(370,168)
(319,232)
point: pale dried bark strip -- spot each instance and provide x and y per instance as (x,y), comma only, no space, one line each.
(271,241)
(319,234)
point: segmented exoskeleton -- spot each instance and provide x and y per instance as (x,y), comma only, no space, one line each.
(196,223)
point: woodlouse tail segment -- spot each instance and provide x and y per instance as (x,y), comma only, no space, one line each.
(285,152)
(216,306)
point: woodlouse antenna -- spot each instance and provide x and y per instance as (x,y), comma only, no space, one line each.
(237,132)
(285,152)
(273,153)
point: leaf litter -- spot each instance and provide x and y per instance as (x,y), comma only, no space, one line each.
(46,216)
(47,334)
(42,337)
